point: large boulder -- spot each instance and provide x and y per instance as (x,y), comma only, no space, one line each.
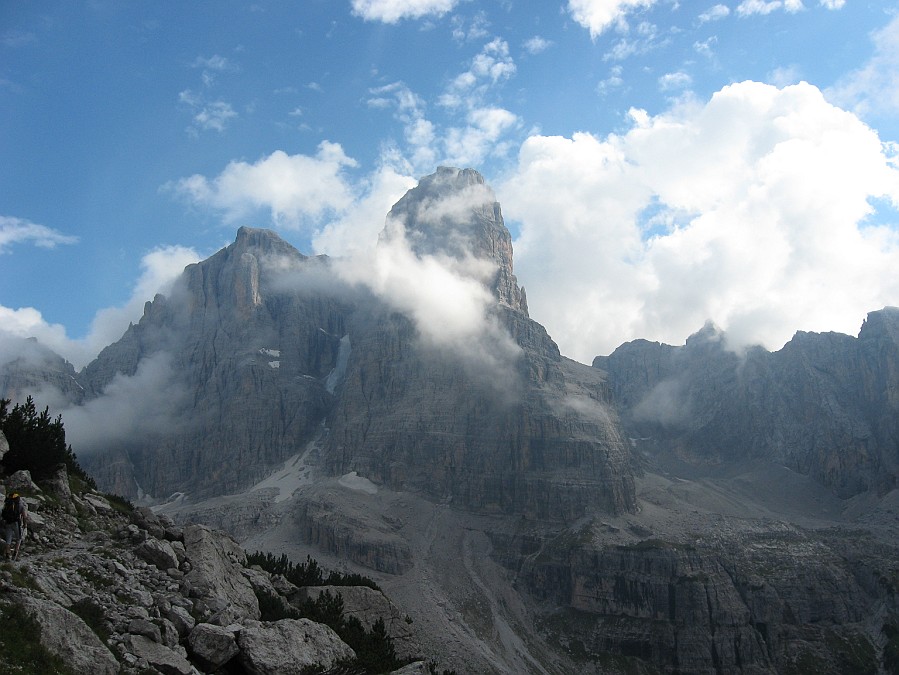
(212,646)
(4,445)
(159,657)
(159,553)
(216,560)
(290,647)
(65,634)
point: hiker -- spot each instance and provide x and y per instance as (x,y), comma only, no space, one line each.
(14,519)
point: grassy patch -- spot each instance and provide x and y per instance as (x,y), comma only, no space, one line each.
(20,577)
(21,650)
(93,615)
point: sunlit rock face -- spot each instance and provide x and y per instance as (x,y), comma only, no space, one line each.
(825,405)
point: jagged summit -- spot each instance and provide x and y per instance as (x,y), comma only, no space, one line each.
(454,213)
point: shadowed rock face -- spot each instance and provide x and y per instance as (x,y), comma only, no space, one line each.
(825,405)
(247,361)
(250,340)
(495,427)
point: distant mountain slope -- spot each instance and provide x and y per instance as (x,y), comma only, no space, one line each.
(826,405)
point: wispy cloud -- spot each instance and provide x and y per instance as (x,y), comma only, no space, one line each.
(207,115)
(714,13)
(392,11)
(873,88)
(20,231)
(763,7)
(537,45)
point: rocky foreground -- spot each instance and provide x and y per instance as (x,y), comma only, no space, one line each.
(101,587)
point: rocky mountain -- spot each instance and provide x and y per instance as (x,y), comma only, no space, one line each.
(669,509)
(103,588)
(826,405)
(248,348)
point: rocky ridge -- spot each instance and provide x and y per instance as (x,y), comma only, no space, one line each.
(114,589)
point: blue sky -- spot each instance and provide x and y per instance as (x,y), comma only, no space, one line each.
(660,163)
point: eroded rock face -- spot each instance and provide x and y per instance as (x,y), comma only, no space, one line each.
(241,350)
(503,424)
(826,405)
(215,571)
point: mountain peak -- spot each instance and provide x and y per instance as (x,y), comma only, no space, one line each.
(453,212)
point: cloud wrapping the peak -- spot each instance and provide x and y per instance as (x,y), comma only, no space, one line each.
(392,11)
(750,210)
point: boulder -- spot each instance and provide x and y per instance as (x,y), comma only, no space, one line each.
(21,480)
(181,619)
(416,668)
(58,485)
(159,553)
(161,658)
(65,634)
(212,646)
(4,445)
(290,647)
(212,556)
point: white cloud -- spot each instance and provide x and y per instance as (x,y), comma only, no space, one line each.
(392,11)
(145,404)
(444,293)
(597,15)
(873,88)
(159,269)
(750,210)
(763,7)
(356,232)
(832,4)
(714,13)
(671,81)
(20,231)
(208,115)
(295,189)
(537,45)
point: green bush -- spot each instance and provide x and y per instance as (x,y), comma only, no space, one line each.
(37,442)
(308,573)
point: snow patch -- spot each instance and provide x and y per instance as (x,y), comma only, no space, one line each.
(293,474)
(271,352)
(353,481)
(274,364)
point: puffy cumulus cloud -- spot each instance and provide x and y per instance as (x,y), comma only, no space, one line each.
(873,88)
(597,15)
(295,189)
(159,269)
(143,404)
(751,209)
(676,80)
(392,11)
(20,231)
(476,129)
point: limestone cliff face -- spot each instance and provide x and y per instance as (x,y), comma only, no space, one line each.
(774,601)
(251,340)
(825,405)
(247,357)
(531,433)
